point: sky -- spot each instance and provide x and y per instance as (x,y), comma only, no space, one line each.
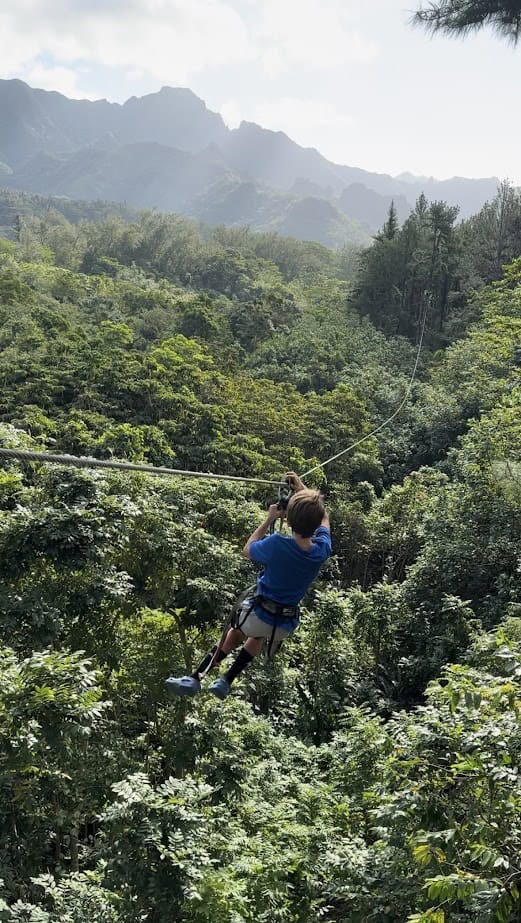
(352,78)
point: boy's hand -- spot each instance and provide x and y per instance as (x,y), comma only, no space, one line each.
(260,531)
(295,482)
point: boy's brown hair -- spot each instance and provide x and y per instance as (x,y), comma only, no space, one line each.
(305,512)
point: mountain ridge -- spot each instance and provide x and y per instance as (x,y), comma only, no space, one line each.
(90,146)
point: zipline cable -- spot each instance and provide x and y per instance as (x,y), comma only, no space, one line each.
(82,461)
(389,419)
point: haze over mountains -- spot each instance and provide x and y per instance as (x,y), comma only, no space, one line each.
(168,151)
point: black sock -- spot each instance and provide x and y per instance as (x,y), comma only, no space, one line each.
(216,654)
(240,663)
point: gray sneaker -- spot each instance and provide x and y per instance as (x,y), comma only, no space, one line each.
(220,687)
(183,685)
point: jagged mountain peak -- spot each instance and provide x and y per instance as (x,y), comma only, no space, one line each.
(35,124)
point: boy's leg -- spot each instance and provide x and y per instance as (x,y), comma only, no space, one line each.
(214,656)
(191,685)
(252,647)
(218,652)
(232,640)
(257,633)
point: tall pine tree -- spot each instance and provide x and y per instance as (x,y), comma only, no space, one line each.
(459,17)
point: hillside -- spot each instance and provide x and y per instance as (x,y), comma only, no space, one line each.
(227,202)
(234,202)
(168,150)
(17,207)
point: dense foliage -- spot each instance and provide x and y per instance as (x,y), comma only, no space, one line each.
(370,773)
(431,264)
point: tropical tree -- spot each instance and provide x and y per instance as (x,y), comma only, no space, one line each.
(459,17)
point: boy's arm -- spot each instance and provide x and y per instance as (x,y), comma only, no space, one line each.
(273,514)
(295,483)
(322,540)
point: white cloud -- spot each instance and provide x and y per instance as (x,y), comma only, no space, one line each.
(308,35)
(168,40)
(18,47)
(231,113)
(62,79)
(305,121)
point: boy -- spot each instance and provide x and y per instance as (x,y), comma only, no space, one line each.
(272,613)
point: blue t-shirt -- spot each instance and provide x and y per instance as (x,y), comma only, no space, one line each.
(288,569)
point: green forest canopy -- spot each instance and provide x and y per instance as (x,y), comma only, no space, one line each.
(370,772)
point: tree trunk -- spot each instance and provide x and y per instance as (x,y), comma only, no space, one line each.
(75,862)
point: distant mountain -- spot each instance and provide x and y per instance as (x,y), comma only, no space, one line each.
(167,150)
(146,174)
(371,207)
(32,121)
(238,202)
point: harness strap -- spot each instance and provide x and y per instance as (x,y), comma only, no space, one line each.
(269,645)
(249,610)
(280,614)
(284,613)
